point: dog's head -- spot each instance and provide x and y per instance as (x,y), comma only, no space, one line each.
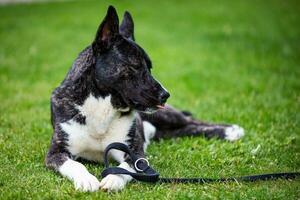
(123,67)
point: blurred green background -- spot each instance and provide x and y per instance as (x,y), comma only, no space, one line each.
(226,61)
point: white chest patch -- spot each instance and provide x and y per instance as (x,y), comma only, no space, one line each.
(104,125)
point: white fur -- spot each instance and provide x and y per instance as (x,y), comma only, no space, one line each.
(234,132)
(82,179)
(103,126)
(114,182)
(149,132)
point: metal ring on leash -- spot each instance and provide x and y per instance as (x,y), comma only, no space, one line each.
(140,159)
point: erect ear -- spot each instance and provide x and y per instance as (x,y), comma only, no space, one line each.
(127,26)
(107,31)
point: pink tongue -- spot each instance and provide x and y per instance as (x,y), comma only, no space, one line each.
(160,106)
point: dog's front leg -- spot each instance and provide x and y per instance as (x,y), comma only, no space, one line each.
(113,182)
(116,182)
(59,160)
(80,176)
(136,143)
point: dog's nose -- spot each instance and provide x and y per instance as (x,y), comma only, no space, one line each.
(164,96)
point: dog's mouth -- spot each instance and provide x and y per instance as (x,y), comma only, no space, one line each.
(146,108)
(152,110)
(147,104)
(162,106)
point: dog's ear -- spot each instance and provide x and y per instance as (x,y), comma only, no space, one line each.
(127,26)
(107,31)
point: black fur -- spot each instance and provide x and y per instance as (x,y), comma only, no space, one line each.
(114,64)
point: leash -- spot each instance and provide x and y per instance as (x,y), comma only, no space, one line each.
(145,173)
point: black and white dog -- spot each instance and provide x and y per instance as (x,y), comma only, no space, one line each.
(110,96)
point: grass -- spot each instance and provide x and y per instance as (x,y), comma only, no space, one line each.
(234,62)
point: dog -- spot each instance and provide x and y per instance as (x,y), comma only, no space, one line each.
(109,95)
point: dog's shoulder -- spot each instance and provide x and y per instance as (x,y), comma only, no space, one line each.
(75,88)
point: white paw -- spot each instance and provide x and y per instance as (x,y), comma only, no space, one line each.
(82,179)
(86,182)
(234,132)
(113,182)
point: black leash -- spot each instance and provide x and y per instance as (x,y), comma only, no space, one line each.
(148,174)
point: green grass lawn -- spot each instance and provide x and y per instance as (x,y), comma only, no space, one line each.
(235,62)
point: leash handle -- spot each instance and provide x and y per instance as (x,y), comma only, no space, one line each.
(118,146)
(148,174)
(141,165)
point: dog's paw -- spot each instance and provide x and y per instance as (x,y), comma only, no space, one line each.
(234,132)
(113,183)
(86,182)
